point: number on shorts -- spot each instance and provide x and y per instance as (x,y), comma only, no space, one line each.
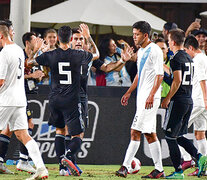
(61,65)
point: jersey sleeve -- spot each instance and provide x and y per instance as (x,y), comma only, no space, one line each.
(87,57)
(43,59)
(4,65)
(97,64)
(158,60)
(175,64)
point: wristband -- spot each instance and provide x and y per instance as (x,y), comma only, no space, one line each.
(121,60)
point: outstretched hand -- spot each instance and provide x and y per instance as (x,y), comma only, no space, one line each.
(84,30)
(127,54)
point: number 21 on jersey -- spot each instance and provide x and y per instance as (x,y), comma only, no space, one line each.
(61,66)
(189,72)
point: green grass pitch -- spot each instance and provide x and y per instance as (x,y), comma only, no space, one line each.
(93,172)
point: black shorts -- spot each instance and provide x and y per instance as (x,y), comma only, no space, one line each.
(84,110)
(176,119)
(69,114)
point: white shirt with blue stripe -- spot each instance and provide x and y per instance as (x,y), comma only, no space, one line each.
(149,65)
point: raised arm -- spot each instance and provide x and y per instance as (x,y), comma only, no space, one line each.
(86,33)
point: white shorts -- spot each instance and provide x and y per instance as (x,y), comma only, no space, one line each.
(198,118)
(15,117)
(145,120)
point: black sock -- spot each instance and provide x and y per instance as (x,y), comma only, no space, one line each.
(60,146)
(67,140)
(4,144)
(189,147)
(23,154)
(73,148)
(175,154)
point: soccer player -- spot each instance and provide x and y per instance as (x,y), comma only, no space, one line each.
(64,99)
(199,95)
(147,82)
(13,99)
(5,135)
(180,106)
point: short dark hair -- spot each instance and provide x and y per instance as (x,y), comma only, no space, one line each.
(64,34)
(177,35)
(27,37)
(170,25)
(191,41)
(6,22)
(159,40)
(75,30)
(143,26)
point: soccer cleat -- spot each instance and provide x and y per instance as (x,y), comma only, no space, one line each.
(195,173)
(187,164)
(41,173)
(25,166)
(80,171)
(202,165)
(122,172)
(63,172)
(4,169)
(155,174)
(176,175)
(71,167)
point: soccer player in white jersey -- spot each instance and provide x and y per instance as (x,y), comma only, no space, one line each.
(13,99)
(147,82)
(199,94)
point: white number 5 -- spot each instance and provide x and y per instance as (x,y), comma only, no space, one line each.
(68,80)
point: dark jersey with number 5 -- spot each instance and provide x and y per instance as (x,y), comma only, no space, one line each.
(65,68)
(183,62)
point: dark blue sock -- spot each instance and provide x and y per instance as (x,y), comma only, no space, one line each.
(189,147)
(23,150)
(4,144)
(73,148)
(60,146)
(175,154)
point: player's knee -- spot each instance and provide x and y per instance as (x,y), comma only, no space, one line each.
(135,135)
(152,137)
(7,132)
(199,135)
(60,131)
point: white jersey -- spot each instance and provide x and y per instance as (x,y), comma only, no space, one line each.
(149,64)
(12,93)
(200,73)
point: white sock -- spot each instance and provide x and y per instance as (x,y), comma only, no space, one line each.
(34,153)
(130,153)
(202,146)
(185,155)
(155,150)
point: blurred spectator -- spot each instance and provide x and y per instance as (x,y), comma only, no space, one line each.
(201,36)
(50,37)
(166,28)
(193,26)
(109,52)
(162,44)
